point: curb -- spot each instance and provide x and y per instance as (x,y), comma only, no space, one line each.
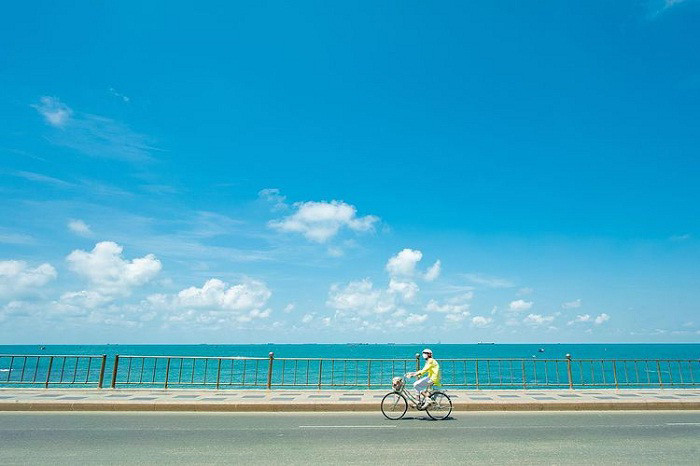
(334,407)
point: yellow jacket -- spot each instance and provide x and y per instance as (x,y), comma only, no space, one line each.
(433,369)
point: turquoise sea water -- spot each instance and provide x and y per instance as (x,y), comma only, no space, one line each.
(348,365)
(378,351)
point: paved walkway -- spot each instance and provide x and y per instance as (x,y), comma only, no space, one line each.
(337,400)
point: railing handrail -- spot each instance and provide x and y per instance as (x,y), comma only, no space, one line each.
(50,355)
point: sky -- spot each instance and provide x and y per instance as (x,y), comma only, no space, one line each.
(328,172)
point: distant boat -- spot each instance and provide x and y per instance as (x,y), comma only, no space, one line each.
(42,348)
(541,350)
(486,343)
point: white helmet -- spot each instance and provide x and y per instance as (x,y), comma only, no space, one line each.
(427,350)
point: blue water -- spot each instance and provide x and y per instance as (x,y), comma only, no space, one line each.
(378,351)
(348,365)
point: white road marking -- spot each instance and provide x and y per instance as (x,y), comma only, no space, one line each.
(344,427)
(683,423)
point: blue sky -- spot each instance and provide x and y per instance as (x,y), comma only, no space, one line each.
(372,171)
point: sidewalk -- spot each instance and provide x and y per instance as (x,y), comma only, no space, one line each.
(337,400)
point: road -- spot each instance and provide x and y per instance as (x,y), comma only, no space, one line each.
(361,438)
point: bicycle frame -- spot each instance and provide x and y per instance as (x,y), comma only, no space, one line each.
(410,396)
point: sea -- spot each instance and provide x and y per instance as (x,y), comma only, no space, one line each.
(350,365)
(382,351)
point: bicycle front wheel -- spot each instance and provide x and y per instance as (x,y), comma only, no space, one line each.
(441,407)
(394,406)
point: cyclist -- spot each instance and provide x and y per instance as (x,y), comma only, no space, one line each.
(422,385)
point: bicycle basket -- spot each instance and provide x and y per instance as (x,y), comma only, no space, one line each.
(397,383)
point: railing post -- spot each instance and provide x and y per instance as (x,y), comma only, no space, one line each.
(269,370)
(477,374)
(369,373)
(218,373)
(658,372)
(114,370)
(417,361)
(320,372)
(48,373)
(102,371)
(615,375)
(522,368)
(568,372)
(167,373)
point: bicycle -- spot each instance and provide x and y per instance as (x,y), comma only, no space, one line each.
(395,403)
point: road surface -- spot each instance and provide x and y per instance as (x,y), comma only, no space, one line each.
(360,438)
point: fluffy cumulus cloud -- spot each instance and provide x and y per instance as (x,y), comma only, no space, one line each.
(216,294)
(79,228)
(587,318)
(481,321)
(520,305)
(537,319)
(55,112)
(17,278)
(404,263)
(407,290)
(433,272)
(360,297)
(214,305)
(456,309)
(321,221)
(108,272)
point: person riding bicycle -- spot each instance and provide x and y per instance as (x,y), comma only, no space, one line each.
(422,385)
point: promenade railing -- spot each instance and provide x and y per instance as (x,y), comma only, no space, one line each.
(149,371)
(37,370)
(497,373)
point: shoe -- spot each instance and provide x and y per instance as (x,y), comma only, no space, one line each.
(427,404)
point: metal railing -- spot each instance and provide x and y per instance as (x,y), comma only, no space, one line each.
(149,371)
(501,373)
(58,369)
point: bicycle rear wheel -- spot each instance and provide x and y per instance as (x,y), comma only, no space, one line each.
(394,406)
(441,407)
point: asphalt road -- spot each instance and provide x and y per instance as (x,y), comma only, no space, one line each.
(361,438)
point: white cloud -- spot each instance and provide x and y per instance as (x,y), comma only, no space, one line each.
(109,273)
(360,297)
(481,321)
(520,305)
(433,272)
(288,308)
(93,135)
(572,304)
(217,295)
(659,7)
(334,251)
(491,282)
(17,278)
(414,319)
(307,318)
(580,318)
(404,263)
(55,112)
(450,307)
(118,95)
(321,221)
(79,228)
(406,289)
(274,197)
(601,318)
(537,319)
